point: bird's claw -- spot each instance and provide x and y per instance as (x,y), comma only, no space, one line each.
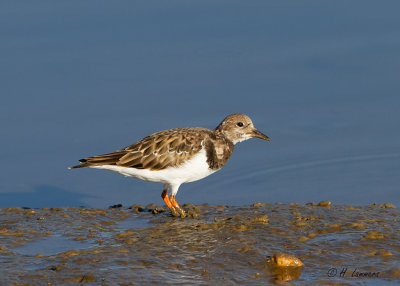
(181,212)
(176,211)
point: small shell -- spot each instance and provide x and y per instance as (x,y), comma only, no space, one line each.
(285,260)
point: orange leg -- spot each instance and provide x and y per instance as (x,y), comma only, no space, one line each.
(168,202)
(177,207)
(174,202)
(166,199)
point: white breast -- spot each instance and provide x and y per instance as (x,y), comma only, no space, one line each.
(194,169)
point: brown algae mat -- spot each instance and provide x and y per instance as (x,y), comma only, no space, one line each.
(261,244)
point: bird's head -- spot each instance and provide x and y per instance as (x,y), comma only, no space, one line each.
(239,127)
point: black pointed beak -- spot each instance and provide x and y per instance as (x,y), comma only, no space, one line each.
(258,134)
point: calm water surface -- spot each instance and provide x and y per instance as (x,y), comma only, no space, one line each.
(85,78)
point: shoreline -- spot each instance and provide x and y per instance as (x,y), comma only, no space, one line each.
(215,244)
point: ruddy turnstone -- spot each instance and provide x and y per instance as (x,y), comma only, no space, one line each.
(177,156)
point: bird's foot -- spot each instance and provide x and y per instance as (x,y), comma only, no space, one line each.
(171,203)
(174,211)
(181,211)
(177,207)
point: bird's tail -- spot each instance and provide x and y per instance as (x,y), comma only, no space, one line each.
(84,165)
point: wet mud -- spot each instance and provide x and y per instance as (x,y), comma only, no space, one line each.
(260,244)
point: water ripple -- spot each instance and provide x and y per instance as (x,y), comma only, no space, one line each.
(311,164)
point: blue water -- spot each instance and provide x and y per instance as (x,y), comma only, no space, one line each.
(52,245)
(81,78)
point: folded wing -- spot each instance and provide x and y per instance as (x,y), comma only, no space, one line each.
(158,151)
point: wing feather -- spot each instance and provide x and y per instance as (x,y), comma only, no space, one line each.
(130,158)
(158,151)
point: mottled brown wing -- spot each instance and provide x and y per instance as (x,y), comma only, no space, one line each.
(169,148)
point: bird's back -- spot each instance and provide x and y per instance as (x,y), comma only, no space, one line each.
(158,151)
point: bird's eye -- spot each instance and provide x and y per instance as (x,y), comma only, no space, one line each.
(240,124)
